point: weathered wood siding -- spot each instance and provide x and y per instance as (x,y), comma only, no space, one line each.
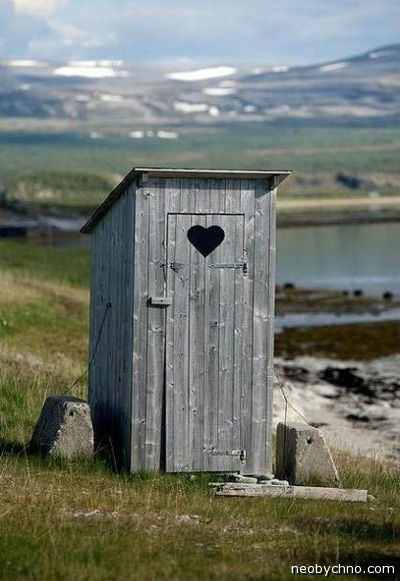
(111,329)
(163,418)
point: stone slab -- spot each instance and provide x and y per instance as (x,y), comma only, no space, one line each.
(302,454)
(64,428)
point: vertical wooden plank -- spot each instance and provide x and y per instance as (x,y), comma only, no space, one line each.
(126,317)
(111,326)
(247,195)
(156,326)
(202,196)
(140,329)
(172,205)
(95,389)
(271,196)
(170,346)
(232,196)
(172,195)
(260,330)
(217,191)
(99,391)
(197,311)
(122,382)
(107,407)
(178,437)
(197,349)
(226,317)
(238,378)
(187,195)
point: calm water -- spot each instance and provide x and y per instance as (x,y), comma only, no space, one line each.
(345,257)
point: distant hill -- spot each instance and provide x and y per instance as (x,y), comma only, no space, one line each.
(360,90)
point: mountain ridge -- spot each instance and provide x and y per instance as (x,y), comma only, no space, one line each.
(360,89)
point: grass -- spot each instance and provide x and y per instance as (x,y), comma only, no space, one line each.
(69,266)
(80,520)
(307,150)
(71,189)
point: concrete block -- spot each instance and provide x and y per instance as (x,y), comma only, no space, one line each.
(302,454)
(64,428)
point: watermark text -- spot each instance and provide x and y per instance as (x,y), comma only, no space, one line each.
(328,570)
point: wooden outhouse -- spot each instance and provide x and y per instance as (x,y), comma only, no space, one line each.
(182,320)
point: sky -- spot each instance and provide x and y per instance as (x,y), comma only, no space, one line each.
(187,32)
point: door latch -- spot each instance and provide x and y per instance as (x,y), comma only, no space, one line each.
(240,454)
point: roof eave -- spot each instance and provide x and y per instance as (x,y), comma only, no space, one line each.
(278,175)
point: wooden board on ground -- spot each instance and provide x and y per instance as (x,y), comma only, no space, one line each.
(308,492)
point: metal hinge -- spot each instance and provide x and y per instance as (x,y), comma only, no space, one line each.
(241,454)
(237,265)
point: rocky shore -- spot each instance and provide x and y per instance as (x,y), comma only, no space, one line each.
(355,404)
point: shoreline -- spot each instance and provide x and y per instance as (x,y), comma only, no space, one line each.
(21,222)
(356,404)
(336,211)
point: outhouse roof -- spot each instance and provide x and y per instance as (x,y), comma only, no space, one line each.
(278,175)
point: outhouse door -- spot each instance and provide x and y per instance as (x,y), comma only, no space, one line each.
(205,347)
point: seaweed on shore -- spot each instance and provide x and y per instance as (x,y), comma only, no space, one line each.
(361,341)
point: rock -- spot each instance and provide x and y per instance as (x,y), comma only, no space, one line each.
(262,477)
(302,454)
(64,428)
(244,479)
(296,373)
(347,377)
(277,482)
(328,391)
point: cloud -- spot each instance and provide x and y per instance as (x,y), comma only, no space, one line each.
(230,31)
(35,7)
(17,31)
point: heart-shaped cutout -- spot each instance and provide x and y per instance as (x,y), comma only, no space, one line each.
(205,240)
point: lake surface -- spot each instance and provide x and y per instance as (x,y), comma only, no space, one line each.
(343,257)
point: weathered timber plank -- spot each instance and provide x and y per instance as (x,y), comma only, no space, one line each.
(261,316)
(197,347)
(217,189)
(306,492)
(247,208)
(270,327)
(156,326)
(238,378)
(140,316)
(232,196)
(178,437)
(127,266)
(201,196)
(226,320)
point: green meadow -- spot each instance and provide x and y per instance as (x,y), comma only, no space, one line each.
(80,520)
(80,170)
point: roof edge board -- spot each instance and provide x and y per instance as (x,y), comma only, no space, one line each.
(140,172)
